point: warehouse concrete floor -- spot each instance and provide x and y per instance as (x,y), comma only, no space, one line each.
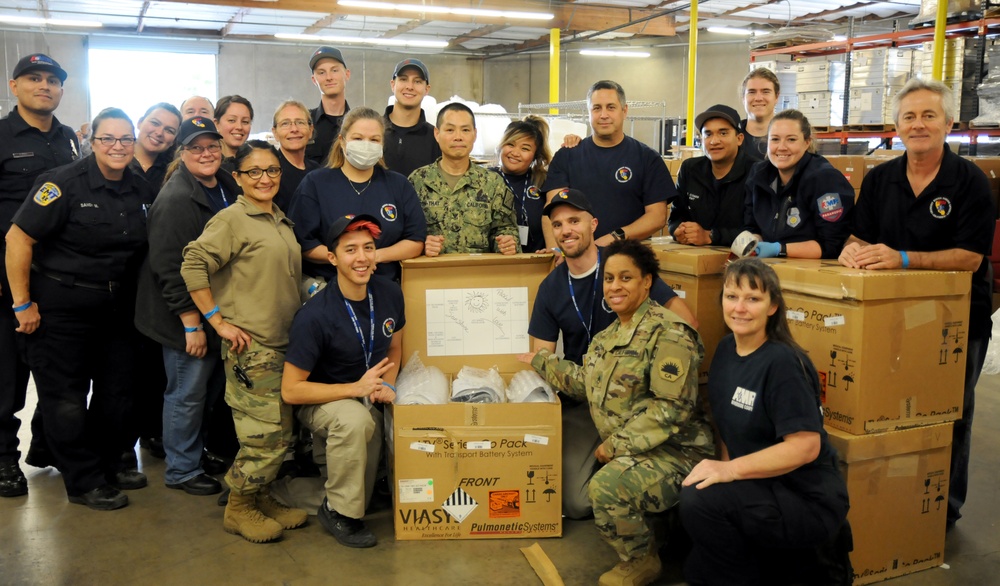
(168,537)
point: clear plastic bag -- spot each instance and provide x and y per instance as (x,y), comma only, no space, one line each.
(418,384)
(527,386)
(475,385)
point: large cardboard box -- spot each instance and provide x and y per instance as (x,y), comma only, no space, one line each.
(898,485)
(889,345)
(991,167)
(852,166)
(695,273)
(474,471)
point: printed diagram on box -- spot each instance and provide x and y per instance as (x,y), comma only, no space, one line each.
(952,342)
(459,505)
(463,322)
(841,369)
(541,483)
(934,496)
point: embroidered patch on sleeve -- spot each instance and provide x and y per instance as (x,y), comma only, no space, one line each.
(670,369)
(47,194)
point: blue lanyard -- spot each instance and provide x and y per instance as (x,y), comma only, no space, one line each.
(357,329)
(569,279)
(524,196)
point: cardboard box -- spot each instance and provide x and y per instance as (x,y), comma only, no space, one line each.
(852,166)
(991,167)
(474,471)
(695,273)
(898,485)
(889,345)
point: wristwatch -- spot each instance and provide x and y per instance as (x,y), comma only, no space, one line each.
(618,234)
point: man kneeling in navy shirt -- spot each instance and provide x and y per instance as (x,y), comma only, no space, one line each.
(343,357)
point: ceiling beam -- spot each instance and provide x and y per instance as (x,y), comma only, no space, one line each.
(475,34)
(237,18)
(141,24)
(43,9)
(321,24)
(570,16)
(403,28)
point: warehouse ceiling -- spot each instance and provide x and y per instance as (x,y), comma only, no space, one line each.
(586,23)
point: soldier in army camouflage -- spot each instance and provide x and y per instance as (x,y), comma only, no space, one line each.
(640,378)
(468,208)
(248,261)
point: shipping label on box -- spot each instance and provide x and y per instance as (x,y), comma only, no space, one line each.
(898,485)
(889,345)
(477,471)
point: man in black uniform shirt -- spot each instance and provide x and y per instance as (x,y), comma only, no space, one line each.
(330,74)
(409,138)
(711,189)
(31,141)
(931,209)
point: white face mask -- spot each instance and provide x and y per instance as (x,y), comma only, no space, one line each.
(363,154)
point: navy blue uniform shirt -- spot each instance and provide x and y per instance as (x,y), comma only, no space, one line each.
(619,181)
(323,340)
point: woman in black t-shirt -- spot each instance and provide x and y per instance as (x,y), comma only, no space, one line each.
(776,485)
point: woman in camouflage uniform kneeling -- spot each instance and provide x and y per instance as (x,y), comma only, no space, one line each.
(248,261)
(640,377)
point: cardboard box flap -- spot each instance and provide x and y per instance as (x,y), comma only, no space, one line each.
(691,260)
(828,279)
(471,288)
(856,448)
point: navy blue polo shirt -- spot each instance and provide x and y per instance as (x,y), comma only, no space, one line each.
(324,342)
(955,211)
(554,310)
(327,194)
(619,181)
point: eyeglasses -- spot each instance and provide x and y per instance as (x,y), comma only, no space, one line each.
(109,141)
(256,173)
(198,150)
(286,124)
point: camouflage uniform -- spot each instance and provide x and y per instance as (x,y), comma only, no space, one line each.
(263,421)
(642,386)
(480,208)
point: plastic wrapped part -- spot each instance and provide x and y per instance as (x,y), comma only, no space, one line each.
(989,105)
(475,385)
(527,386)
(418,384)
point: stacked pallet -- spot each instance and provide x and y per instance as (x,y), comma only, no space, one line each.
(820,87)
(876,76)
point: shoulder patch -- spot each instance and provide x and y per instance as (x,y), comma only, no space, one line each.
(670,369)
(47,193)
(831,208)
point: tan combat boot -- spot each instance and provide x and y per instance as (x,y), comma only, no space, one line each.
(286,516)
(244,518)
(634,572)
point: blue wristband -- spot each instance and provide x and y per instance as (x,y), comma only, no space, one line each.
(21,308)
(191,330)
(385,384)
(214,311)
(906,259)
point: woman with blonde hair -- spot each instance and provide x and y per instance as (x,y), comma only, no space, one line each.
(524,163)
(356,181)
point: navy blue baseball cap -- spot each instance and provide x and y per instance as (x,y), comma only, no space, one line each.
(415,64)
(326,53)
(340,225)
(38,62)
(571,197)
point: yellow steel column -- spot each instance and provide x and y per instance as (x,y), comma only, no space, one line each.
(692,69)
(940,22)
(553,68)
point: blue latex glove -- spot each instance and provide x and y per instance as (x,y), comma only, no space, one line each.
(768,249)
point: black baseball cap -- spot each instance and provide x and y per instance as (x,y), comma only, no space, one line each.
(723,111)
(194,127)
(415,63)
(38,61)
(572,197)
(340,225)
(326,53)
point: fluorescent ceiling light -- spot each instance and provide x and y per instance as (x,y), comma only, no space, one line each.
(727,30)
(446,10)
(605,53)
(393,42)
(35,21)
(840,38)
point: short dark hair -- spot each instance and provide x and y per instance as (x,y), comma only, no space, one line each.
(455,106)
(795,116)
(765,74)
(642,256)
(250,146)
(226,101)
(756,274)
(109,114)
(607,84)
(162,106)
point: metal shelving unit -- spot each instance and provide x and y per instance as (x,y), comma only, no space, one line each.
(577,111)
